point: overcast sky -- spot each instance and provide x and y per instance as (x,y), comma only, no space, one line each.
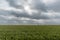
(29,11)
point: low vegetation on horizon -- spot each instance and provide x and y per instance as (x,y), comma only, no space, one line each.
(29,32)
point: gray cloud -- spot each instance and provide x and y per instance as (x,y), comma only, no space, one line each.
(54,6)
(39,5)
(33,16)
(16,3)
(35,4)
(29,12)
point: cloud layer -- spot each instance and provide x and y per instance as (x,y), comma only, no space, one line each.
(29,12)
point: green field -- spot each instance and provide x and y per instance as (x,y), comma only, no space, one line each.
(29,32)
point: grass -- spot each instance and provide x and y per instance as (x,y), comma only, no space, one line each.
(29,32)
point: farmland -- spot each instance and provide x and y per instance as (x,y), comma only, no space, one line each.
(29,32)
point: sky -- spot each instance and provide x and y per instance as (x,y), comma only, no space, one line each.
(29,11)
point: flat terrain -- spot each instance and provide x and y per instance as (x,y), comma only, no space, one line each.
(29,32)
